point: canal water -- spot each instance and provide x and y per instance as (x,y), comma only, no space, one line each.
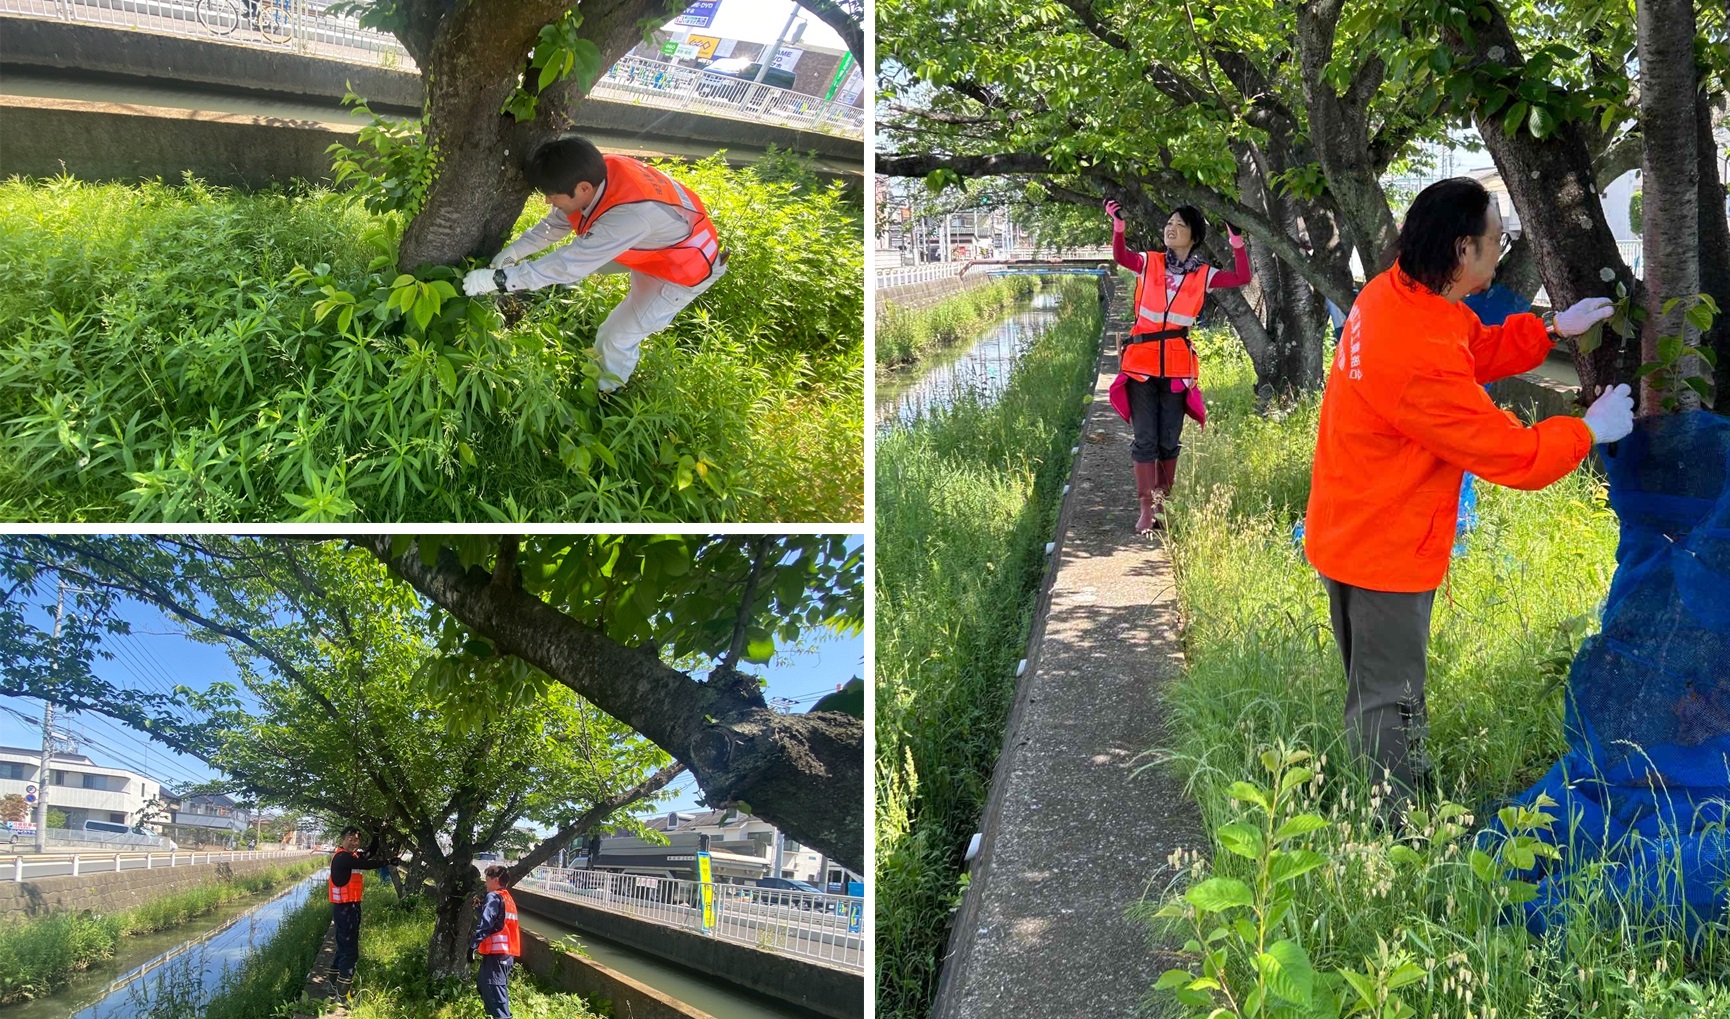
(171,973)
(982,367)
(719,1000)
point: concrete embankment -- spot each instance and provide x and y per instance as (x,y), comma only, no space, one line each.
(110,891)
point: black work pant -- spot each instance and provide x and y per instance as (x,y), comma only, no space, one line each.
(1156,414)
(1384,637)
(494,983)
(347,918)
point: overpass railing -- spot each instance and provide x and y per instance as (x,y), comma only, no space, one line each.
(668,86)
(918,274)
(824,928)
(297,25)
(19,868)
(306,26)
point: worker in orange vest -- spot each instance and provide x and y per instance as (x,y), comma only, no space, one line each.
(1403,415)
(345,886)
(1157,370)
(498,941)
(628,217)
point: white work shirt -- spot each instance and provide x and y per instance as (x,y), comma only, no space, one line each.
(650,226)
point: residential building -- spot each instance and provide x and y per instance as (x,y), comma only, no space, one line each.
(80,787)
(741,849)
(210,816)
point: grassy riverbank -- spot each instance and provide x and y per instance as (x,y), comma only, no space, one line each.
(39,954)
(906,338)
(966,500)
(195,353)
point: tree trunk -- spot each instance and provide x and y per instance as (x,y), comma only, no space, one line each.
(479,51)
(1714,246)
(1552,185)
(1671,183)
(453,917)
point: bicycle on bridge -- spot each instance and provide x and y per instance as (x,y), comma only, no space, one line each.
(272,18)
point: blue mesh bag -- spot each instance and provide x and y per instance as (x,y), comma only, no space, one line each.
(1641,793)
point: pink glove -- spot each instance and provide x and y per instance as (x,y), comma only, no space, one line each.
(1115,211)
(1233,238)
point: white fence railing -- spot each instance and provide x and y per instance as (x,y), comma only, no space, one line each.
(302,26)
(667,86)
(825,928)
(918,274)
(19,868)
(306,26)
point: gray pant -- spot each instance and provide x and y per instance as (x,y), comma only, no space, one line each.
(1384,637)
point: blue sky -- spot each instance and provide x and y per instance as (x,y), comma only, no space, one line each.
(156,656)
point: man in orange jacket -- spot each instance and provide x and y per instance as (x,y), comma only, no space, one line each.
(1404,413)
(628,217)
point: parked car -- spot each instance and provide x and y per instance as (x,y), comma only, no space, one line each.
(108,826)
(784,892)
(14,832)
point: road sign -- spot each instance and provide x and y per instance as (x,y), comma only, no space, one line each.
(686,52)
(855,916)
(29,794)
(705,45)
(706,875)
(699,15)
(669,48)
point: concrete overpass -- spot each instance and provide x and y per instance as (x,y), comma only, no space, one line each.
(112,103)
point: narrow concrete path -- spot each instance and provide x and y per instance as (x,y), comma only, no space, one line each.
(321,997)
(1072,840)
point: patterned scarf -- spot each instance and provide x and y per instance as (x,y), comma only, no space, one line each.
(1191,264)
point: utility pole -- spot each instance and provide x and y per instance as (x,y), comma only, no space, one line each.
(774,51)
(780,840)
(48,736)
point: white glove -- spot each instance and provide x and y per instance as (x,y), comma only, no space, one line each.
(478,282)
(1584,315)
(1611,416)
(503,260)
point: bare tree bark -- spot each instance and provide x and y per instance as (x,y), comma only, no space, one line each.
(1671,183)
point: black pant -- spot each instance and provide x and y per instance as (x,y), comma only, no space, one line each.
(347,917)
(494,983)
(1384,637)
(1156,413)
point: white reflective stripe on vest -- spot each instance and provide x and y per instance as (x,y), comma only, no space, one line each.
(684,196)
(1173,320)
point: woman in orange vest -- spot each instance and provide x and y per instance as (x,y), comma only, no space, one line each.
(1158,366)
(498,941)
(1403,415)
(628,217)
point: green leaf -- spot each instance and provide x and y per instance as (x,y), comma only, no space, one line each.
(1400,853)
(759,650)
(1292,864)
(1172,979)
(447,372)
(1591,339)
(1515,116)
(1242,839)
(1543,122)
(1669,349)
(1302,824)
(1286,968)
(1218,894)
(1248,792)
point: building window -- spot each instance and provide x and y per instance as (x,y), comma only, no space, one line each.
(117,818)
(95,781)
(15,772)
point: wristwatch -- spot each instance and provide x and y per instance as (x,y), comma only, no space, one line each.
(1549,321)
(499,279)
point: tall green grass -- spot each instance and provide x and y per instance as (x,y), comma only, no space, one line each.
(905,337)
(391,980)
(1263,671)
(276,973)
(39,954)
(966,500)
(159,361)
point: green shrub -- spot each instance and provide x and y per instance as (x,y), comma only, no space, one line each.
(966,500)
(191,353)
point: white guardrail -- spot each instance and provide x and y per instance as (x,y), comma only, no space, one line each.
(825,928)
(306,26)
(918,274)
(18,868)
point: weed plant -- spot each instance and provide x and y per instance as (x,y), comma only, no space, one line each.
(906,337)
(966,500)
(39,954)
(1307,905)
(391,979)
(192,353)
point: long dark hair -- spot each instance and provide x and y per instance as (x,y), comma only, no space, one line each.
(1442,213)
